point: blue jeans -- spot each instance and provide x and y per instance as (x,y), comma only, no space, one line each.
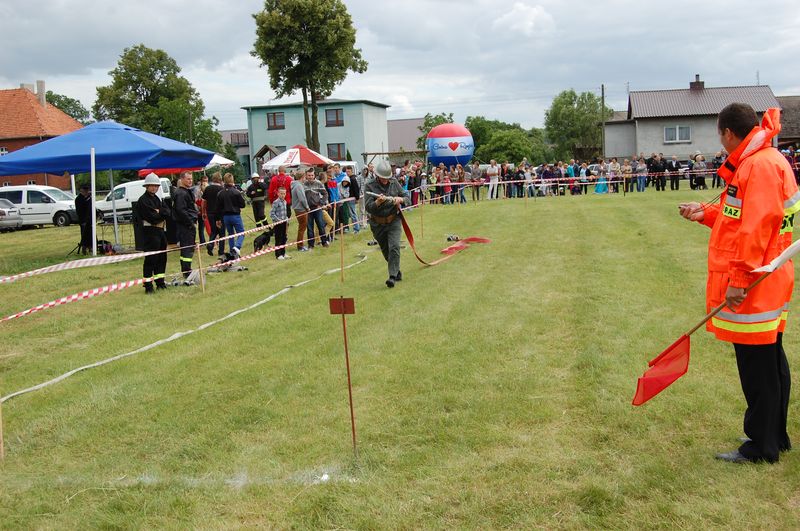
(351,206)
(233,224)
(315,217)
(641,181)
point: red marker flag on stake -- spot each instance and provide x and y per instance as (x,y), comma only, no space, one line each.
(664,369)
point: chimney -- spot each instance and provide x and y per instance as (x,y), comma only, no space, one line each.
(697,84)
(27,86)
(40,92)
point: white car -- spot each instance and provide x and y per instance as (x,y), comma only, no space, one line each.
(41,205)
(124,196)
(10,218)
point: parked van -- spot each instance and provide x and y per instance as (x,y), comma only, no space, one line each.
(124,196)
(42,205)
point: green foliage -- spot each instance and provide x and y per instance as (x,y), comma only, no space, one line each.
(431,121)
(147,92)
(506,145)
(513,141)
(349,156)
(307,46)
(70,106)
(238,171)
(573,123)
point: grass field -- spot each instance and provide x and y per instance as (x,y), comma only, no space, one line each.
(492,391)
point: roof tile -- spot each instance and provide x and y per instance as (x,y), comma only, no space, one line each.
(699,102)
(22,116)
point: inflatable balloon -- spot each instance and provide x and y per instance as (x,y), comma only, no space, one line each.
(450,144)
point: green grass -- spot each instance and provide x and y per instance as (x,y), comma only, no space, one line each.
(491,391)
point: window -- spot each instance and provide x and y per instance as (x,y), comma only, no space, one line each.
(15,196)
(35,197)
(239,139)
(275,121)
(677,133)
(118,194)
(334,117)
(31,181)
(336,151)
(6,183)
(3,151)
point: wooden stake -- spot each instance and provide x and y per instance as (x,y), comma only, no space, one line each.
(202,272)
(421,218)
(2,445)
(349,385)
(341,252)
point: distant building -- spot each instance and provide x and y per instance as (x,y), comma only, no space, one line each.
(790,121)
(355,126)
(403,134)
(678,122)
(240,140)
(27,119)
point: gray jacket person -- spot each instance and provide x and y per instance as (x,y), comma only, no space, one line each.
(383,198)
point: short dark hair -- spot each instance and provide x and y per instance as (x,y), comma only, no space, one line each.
(740,118)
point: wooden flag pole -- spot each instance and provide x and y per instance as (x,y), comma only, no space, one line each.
(341,253)
(343,306)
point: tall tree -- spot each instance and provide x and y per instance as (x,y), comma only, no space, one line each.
(147,92)
(307,45)
(430,121)
(510,145)
(573,124)
(69,106)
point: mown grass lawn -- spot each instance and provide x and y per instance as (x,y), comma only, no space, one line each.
(491,391)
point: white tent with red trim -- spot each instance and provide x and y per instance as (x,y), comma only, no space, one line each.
(298,155)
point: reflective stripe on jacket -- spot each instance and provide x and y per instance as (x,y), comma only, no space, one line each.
(751,225)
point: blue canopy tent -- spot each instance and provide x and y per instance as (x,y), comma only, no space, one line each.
(104,145)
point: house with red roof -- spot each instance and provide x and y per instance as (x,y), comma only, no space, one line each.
(27,119)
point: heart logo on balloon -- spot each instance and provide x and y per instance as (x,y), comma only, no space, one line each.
(453,145)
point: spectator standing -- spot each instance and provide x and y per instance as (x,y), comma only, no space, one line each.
(153,213)
(300,206)
(674,168)
(281,180)
(210,204)
(317,199)
(280,218)
(475,181)
(185,213)
(257,192)
(493,174)
(699,170)
(83,209)
(229,213)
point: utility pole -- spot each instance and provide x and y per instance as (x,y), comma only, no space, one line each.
(603,120)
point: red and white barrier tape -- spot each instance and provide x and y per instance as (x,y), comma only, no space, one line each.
(102,260)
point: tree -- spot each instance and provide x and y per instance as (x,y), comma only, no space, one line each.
(484,130)
(147,92)
(307,45)
(70,106)
(431,121)
(573,124)
(510,145)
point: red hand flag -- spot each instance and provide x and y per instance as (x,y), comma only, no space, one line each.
(664,369)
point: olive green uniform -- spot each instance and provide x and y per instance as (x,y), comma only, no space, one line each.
(385,221)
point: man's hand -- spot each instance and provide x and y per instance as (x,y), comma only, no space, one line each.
(692,211)
(398,201)
(734,297)
(380,200)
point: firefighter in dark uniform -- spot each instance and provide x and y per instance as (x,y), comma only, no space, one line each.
(83,209)
(185,214)
(153,214)
(384,198)
(257,192)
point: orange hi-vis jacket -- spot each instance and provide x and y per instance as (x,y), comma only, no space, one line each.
(751,225)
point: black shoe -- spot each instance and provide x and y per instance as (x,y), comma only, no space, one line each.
(399,276)
(161,286)
(210,251)
(148,290)
(390,282)
(733,457)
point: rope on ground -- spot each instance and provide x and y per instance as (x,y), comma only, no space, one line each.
(178,335)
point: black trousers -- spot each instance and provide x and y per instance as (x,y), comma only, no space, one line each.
(766,383)
(258,213)
(86,235)
(186,240)
(280,238)
(216,232)
(155,239)
(674,182)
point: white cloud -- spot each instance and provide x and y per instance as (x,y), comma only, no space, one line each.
(524,18)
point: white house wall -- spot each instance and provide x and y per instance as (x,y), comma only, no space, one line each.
(620,139)
(650,137)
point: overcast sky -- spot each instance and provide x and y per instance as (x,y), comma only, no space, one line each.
(502,59)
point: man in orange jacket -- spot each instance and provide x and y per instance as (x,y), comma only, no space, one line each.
(750,226)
